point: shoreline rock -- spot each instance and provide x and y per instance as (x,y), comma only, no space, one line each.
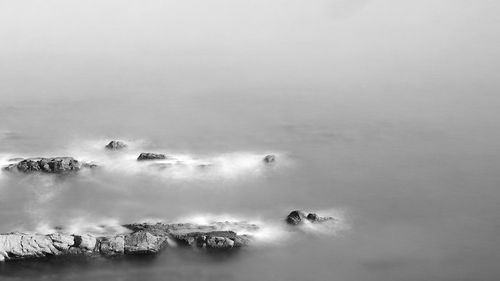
(143,239)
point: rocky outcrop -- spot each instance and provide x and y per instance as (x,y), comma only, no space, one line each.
(116,145)
(297,217)
(151,156)
(269,158)
(143,242)
(142,239)
(56,165)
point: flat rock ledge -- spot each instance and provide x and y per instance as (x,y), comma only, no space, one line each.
(53,165)
(143,239)
(151,156)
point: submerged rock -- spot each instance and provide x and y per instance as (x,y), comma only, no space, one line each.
(151,156)
(296,217)
(89,165)
(143,239)
(54,165)
(116,145)
(269,158)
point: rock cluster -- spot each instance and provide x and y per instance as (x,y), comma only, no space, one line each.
(297,217)
(143,239)
(115,145)
(55,165)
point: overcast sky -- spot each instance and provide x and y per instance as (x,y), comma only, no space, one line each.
(61,48)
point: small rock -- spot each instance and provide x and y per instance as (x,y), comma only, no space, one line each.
(269,158)
(89,165)
(151,156)
(116,145)
(312,217)
(295,217)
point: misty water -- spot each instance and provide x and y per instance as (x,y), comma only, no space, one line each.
(382,115)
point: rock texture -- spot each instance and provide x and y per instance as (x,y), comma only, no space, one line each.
(116,145)
(297,217)
(143,239)
(151,156)
(56,165)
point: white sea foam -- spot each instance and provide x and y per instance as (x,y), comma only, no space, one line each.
(178,165)
(339,223)
(83,225)
(273,231)
(265,232)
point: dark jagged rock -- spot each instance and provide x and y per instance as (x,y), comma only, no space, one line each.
(151,156)
(312,217)
(269,158)
(297,217)
(116,145)
(143,239)
(54,165)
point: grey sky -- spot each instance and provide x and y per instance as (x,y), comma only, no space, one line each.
(106,48)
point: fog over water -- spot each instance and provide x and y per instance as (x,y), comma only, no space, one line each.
(382,114)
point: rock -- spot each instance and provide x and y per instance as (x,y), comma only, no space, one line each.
(242,240)
(54,165)
(112,246)
(269,158)
(62,242)
(24,246)
(213,239)
(295,217)
(85,242)
(151,156)
(89,165)
(312,217)
(316,218)
(143,239)
(116,145)
(143,242)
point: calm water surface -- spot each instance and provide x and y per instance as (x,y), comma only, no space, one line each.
(383,114)
(417,200)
